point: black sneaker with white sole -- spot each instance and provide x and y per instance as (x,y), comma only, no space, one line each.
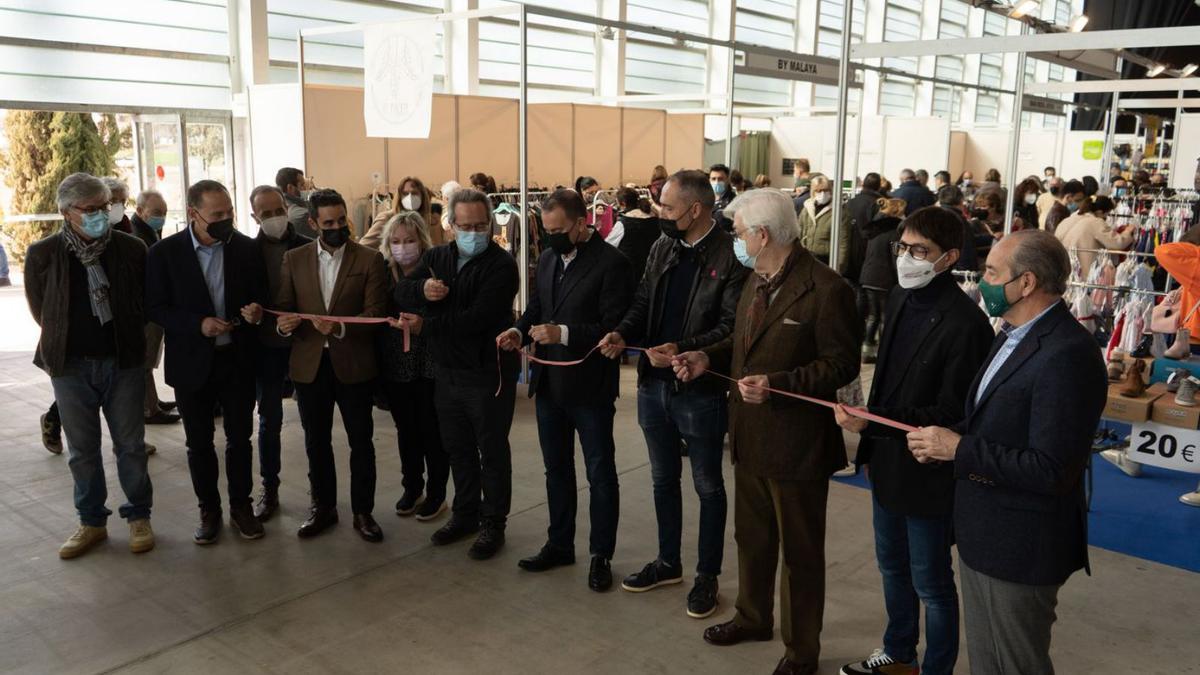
(653,575)
(879,663)
(408,503)
(702,601)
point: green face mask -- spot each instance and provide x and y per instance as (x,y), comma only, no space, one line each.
(994,297)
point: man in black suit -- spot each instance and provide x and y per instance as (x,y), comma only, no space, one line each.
(205,286)
(1020,519)
(915,195)
(147,224)
(934,341)
(584,286)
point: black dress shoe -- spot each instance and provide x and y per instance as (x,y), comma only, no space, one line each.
(458,528)
(319,520)
(729,633)
(367,528)
(787,667)
(600,575)
(243,520)
(268,503)
(167,406)
(210,527)
(489,541)
(547,559)
(162,417)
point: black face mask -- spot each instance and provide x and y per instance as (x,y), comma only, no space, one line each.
(981,214)
(560,242)
(336,238)
(671,228)
(221,230)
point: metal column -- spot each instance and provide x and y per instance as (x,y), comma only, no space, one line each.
(1111,131)
(523,170)
(1014,141)
(840,144)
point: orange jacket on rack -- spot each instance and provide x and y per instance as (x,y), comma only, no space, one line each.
(1182,261)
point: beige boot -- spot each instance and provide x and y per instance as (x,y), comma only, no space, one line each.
(141,536)
(84,538)
(1181,349)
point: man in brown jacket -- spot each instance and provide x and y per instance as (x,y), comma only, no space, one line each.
(796,331)
(334,362)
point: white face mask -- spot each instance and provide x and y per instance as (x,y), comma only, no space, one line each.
(1031,198)
(411,202)
(274,227)
(913,273)
(116,213)
(823,198)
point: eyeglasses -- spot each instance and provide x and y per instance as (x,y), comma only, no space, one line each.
(742,235)
(91,210)
(917,251)
(476,227)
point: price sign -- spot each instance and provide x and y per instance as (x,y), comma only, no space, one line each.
(1168,447)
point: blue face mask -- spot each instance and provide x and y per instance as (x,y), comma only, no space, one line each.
(739,250)
(94,225)
(156,222)
(1072,206)
(719,187)
(471,244)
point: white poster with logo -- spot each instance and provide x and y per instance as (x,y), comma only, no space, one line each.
(398,79)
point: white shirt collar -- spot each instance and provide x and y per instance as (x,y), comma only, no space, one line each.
(196,245)
(697,242)
(323,254)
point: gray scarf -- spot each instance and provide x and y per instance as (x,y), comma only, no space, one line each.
(89,254)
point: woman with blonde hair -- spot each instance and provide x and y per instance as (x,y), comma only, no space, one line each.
(407,378)
(413,196)
(878,275)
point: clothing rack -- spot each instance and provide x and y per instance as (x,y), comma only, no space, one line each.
(1112,252)
(1115,289)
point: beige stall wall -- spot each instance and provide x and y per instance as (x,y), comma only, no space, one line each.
(551,145)
(433,160)
(643,144)
(598,144)
(684,143)
(488,138)
(337,152)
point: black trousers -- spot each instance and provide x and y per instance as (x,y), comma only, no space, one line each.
(474,422)
(316,401)
(423,460)
(232,387)
(871,305)
(557,425)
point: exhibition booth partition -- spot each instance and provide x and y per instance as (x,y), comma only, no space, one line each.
(468,134)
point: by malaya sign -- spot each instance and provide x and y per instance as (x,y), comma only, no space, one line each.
(802,67)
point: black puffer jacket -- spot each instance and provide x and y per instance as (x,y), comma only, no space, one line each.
(879,265)
(712,310)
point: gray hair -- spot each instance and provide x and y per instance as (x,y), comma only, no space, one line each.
(80,187)
(1043,255)
(907,174)
(116,185)
(145,196)
(409,219)
(469,196)
(263,189)
(771,210)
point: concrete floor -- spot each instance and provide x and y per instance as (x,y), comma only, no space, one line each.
(339,605)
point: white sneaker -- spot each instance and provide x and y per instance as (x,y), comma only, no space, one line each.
(85,537)
(1119,458)
(1191,498)
(847,472)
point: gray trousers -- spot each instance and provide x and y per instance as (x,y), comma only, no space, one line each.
(1008,624)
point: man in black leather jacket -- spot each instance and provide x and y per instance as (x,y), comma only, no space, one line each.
(687,300)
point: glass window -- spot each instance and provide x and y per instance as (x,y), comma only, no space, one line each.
(902,22)
(656,65)
(897,97)
(829,26)
(987,108)
(947,103)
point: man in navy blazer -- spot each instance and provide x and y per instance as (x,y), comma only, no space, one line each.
(1020,517)
(584,287)
(206,286)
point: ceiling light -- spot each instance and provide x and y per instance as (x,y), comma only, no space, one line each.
(1022,8)
(1188,70)
(1077,23)
(1156,70)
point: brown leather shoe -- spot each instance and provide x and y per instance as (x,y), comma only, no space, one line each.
(787,667)
(730,633)
(367,528)
(1134,385)
(319,520)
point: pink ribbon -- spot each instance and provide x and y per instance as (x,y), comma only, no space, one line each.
(361,320)
(856,412)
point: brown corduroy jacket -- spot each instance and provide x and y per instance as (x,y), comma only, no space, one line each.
(808,343)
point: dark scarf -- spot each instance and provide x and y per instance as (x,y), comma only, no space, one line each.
(89,254)
(763,290)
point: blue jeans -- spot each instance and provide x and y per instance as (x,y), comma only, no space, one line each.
(700,419)
(272,371)
(87,387)
(914,558)
(557,425)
